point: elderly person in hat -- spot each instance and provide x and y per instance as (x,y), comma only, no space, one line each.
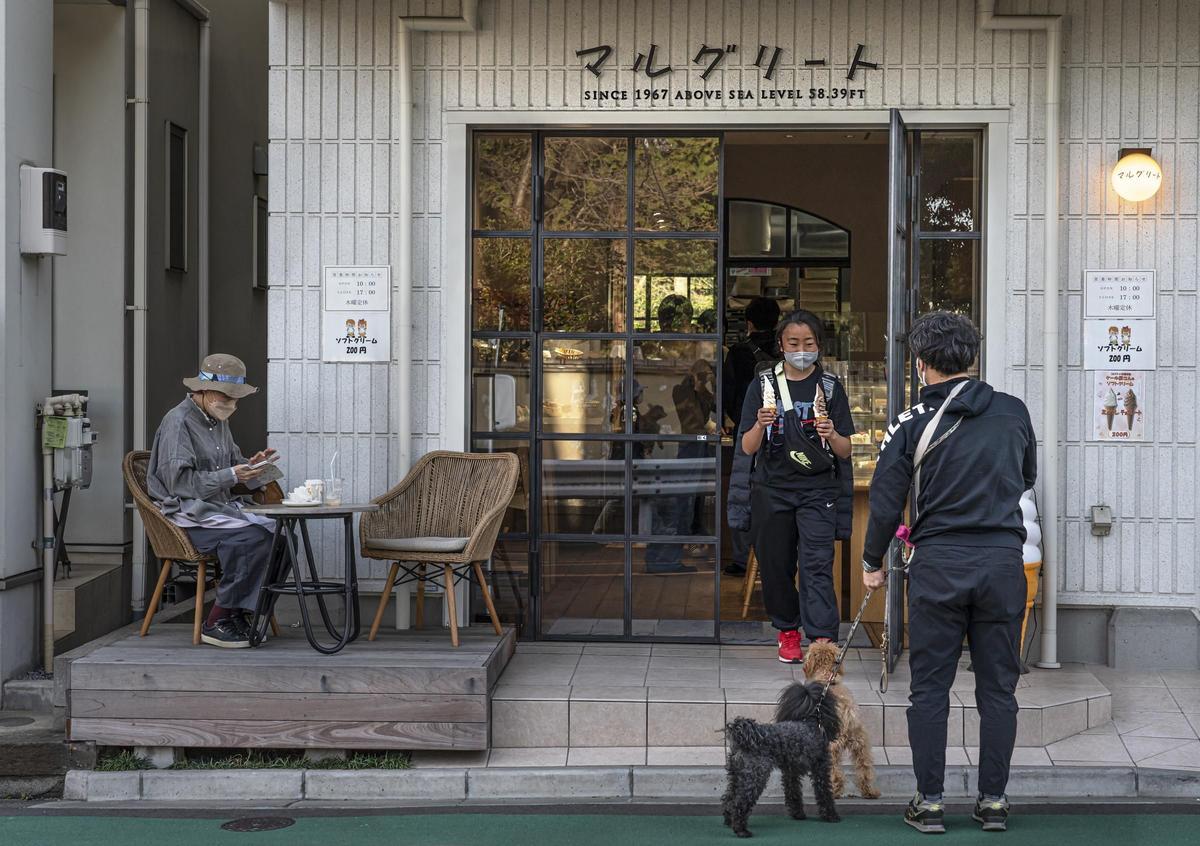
(194,466)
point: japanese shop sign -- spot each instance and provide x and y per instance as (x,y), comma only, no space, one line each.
(1118,407)
(1127,344)
(767,58)
(356,314)
(1118,293)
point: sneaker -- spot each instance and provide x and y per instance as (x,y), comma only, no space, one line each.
(926,817)
(225,633)
(992,813)
(790,651)
(243,620)
(735,569)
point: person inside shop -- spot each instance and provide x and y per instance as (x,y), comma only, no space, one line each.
(742,364)
(695,401)
(966,577)
(193,470)
(796,424)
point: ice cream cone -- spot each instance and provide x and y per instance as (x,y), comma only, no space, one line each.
(1110,413)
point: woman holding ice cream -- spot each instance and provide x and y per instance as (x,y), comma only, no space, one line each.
(796,424)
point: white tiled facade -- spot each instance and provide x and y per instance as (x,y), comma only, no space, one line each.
(1131,78)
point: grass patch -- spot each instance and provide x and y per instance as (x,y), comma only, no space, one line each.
(121,761)
(294,761)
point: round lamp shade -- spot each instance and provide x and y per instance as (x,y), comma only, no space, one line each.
(1136,177)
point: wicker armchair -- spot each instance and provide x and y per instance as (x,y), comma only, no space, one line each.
(446,512)
(171,544)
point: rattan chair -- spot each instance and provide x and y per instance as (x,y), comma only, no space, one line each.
(446,512)
(171,544)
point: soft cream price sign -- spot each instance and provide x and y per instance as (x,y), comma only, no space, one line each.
(356,314)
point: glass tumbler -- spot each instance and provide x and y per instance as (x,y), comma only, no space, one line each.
(333,491)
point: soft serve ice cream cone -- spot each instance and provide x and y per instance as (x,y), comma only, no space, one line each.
(1131,405)
(1110,407)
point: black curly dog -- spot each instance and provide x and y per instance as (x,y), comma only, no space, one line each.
(797,743)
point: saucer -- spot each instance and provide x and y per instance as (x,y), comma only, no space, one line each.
(299,503)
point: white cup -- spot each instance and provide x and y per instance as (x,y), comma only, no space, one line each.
(315,489)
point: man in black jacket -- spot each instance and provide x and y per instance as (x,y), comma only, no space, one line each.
(966,577)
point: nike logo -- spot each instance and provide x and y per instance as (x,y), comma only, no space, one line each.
(800,458)
(829,505)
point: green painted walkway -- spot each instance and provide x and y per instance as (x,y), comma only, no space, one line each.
(466,829)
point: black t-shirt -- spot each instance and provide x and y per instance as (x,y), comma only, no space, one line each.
(772,466)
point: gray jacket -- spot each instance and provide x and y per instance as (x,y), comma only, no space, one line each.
(191,464)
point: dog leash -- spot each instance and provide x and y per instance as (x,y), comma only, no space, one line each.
(841,656)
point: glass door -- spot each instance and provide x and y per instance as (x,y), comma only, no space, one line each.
(607,251)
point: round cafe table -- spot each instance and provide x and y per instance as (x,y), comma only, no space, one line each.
(284,576)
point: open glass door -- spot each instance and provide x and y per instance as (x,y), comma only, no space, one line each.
(899,212)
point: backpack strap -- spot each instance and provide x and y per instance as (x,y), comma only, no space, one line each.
(923,444)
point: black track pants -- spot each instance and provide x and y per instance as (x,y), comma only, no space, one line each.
(793,526)
(979,593)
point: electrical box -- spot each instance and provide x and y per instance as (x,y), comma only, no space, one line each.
(1101,520)
(43,211)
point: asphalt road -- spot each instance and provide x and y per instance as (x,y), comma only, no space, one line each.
(1129,824)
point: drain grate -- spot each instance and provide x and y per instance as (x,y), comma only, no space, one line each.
(258,824)
(14,722)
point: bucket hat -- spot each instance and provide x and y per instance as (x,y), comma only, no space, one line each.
(224,373)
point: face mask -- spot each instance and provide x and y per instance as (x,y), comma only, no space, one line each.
(802,360)
(221,407)
(921,377)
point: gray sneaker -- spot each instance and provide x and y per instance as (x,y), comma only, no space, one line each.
(991,813)
(926,817)
(225,633)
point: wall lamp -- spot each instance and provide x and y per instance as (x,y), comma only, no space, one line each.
(1137,176)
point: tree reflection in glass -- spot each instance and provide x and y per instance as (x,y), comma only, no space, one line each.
(585,184)
(503,182)
(583,285)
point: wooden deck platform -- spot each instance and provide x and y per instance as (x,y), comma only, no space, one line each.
(407,690)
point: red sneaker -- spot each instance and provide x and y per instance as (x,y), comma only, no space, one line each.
(789,648)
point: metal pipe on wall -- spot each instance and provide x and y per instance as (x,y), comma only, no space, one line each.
(201,14)
(403,260)
(1052,26)
(141,151)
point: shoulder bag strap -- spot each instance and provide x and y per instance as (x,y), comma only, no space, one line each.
(927,438)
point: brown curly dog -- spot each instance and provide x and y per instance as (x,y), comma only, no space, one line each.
(853,737)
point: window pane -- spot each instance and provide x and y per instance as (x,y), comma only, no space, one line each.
(503,182)
(500,287)
(500,385)
(676,184)
(583,384)
(586,185)
(949,278)
(583,487)
(950,165)
(516,518)
(583,285)
(813,237)
(509,581)
(583,589)
(673,588)
(673,284)
(757,230)
(674,489)
(177,199)
(675,387)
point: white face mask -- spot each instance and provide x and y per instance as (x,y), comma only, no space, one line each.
(219,407)
(921,375)
(802,360)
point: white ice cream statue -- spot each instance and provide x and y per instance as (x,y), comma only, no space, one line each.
(1032,556)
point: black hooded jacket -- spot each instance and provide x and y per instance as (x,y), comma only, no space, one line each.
(971,482)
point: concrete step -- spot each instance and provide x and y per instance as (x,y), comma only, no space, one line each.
(34,745)
(36,695)
(491,786)
(623,699)
(87,605)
